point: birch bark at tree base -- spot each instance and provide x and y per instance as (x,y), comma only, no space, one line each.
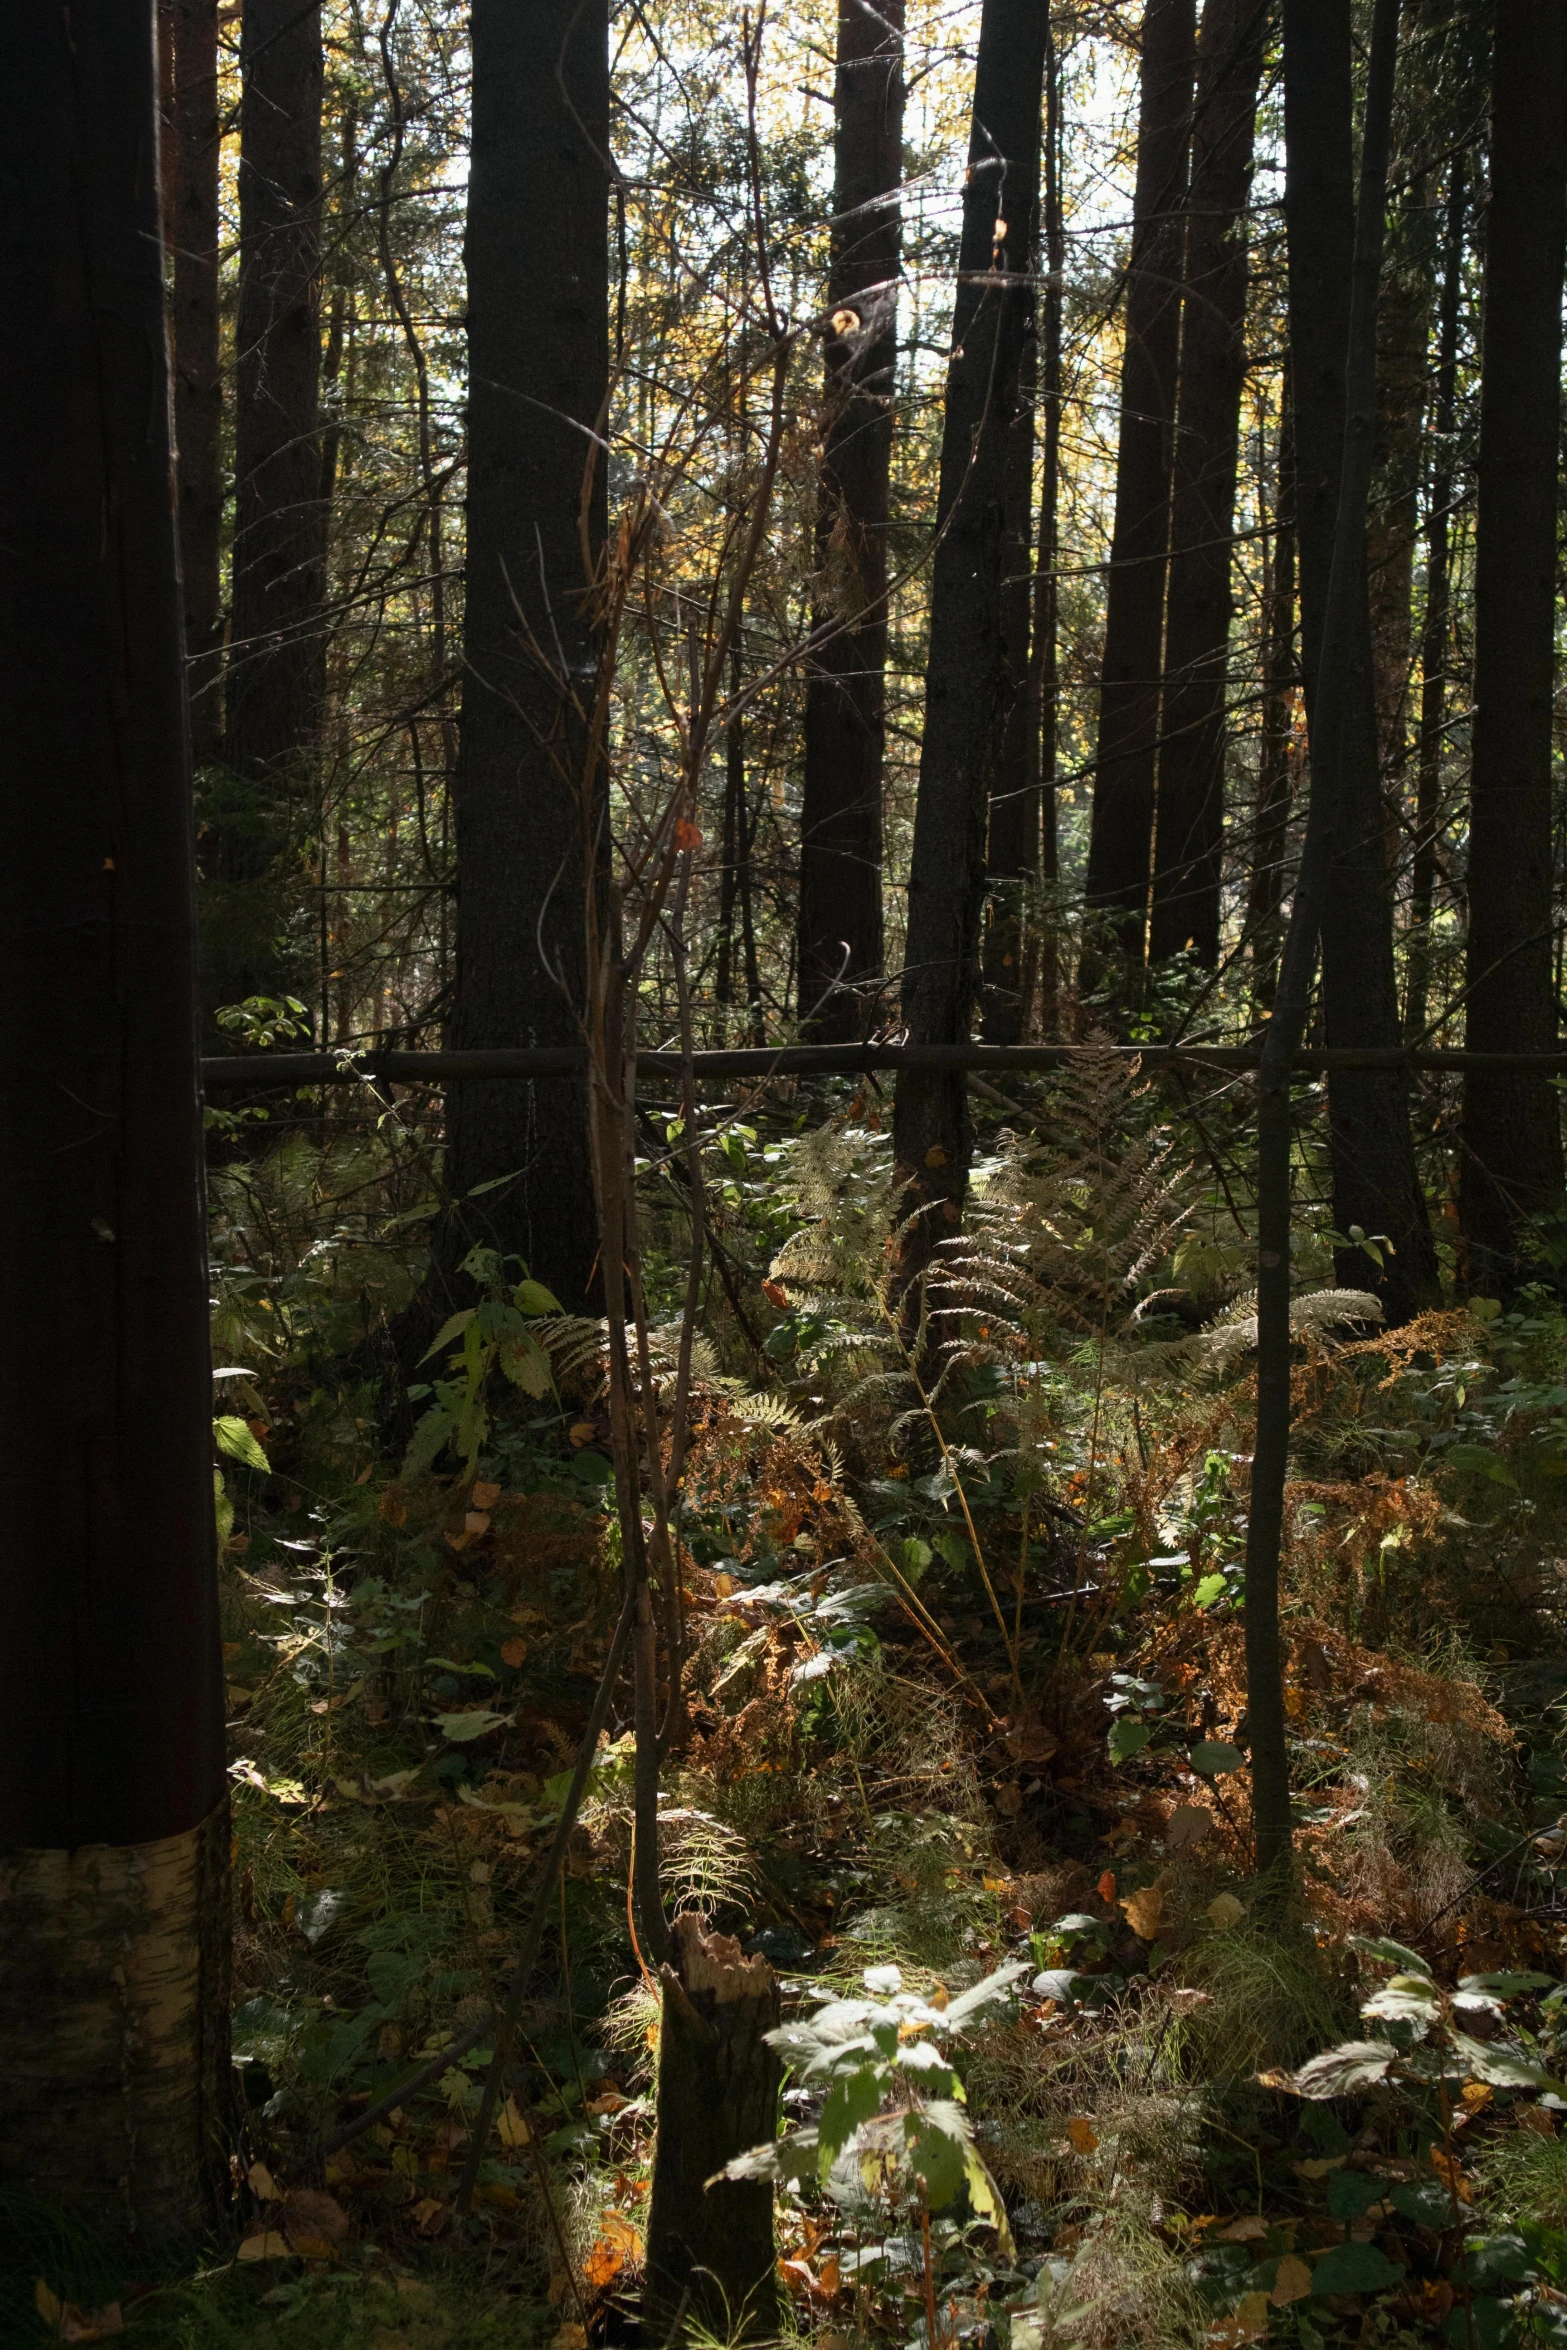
(114,2030)
(710,2252)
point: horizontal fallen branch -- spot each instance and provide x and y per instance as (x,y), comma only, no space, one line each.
(759,1063)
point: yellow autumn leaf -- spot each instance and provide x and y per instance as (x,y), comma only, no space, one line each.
(510,2127)
(485,1495)
(1225,1911)
(259,2180)
(1084,2137)
(269,2244)
(1145,1912)
(1292,2283)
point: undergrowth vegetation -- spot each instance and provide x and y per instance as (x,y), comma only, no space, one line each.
(962,1751)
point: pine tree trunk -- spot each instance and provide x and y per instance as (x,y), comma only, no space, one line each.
(1277,757)
(1012,836)
(1375,1181)
(1437,626)
(710,2255)
(1512,1153)
(840,922)
(191,130)
(538,348)
(1044,653)
(967,684)
(113,1824)
(1190,836)
(276,643)
(1120,849)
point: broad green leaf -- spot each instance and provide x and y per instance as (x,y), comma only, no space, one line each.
(527,1366)
(1214,1756)
(1426,2201)
(1404,1999)
(1503,2067)
(852,2099)
(1507,1986)
(450,1329)
(1392,1953)
(992,1991)
(460,1728)
(429,1435)
(222,1507)
(1128,1736)
(531,1297)
(938,2141)
(1354,2268)
(235,1437)
(1499,2260)
(1479,2323)
(1351,2193)
(1209,1591)
(1341,2071)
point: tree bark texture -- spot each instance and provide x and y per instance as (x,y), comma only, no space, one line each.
(538,349)
(1044,652)
(1512,1154)
(1012,834)
(191,135)
(1375,1181)
(1279,752)
(840,918)
(1436,631)
(276,667)
(113,1848)
(710,2255)
(1341,659)
(1190,832)
(1120,848)
(968,683)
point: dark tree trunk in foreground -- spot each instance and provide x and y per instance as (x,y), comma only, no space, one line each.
(1375,1181)
(538,350)
(276,648)
(1342,652)
(710,2254)
(840,938)
(1278,760)
(1044,652)
(967,684)
(1190,835)
(113,1819)
(1437,627)
(1120,846)
(190,129)
(1012,829)
(1512,1153)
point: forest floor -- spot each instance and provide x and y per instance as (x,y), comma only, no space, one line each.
(964,1695)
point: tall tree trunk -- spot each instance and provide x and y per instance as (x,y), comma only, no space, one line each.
(1403,364)
(1277,757)
(191,133)
(1437,625)
(1190,836)
(1120,848)
(1512,1153)
(1012,841)
(840,928)
(113,1819)
(276,644)
(1044,653)
(528,814)
(1376,1185)
(967,683)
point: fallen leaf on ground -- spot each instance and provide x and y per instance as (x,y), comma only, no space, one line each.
(1248,2230)
(1225,1911)
(314,2223)
(618,2247)
(1189,1824)
(485,1495)
(514,1652)
(267,2245)
(1081,2131)
(259,2180)
(1248,2322)
(1292,2283)
(1145,1912)
(510,2127)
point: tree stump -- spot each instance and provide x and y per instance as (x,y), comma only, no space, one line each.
(710,2255)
